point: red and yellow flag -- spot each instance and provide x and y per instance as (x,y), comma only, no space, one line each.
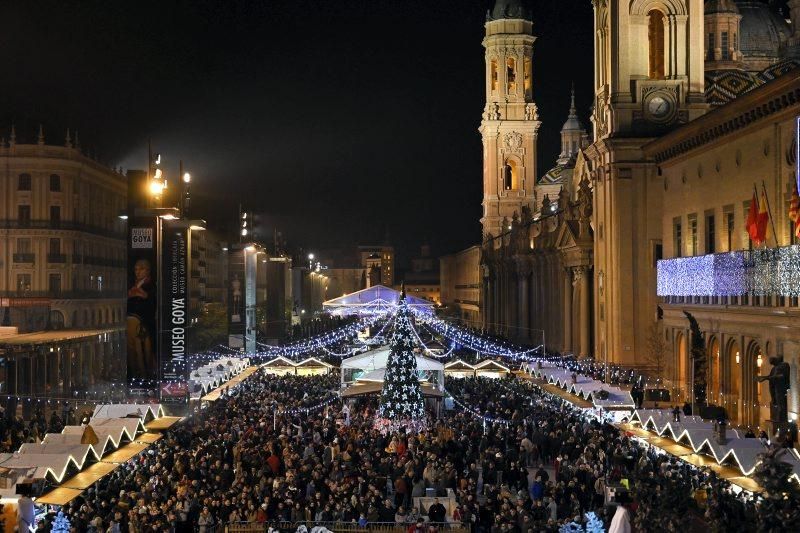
(752,219)
(794,212)
(763,218)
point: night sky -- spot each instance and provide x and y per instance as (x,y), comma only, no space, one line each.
(335,120)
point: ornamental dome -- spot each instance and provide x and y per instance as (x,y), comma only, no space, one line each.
(720,6)
(763,33)
(509,9)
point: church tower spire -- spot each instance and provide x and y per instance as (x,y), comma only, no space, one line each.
(510,122)
(573,134)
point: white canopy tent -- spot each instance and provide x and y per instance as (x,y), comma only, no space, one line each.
(371,366)
(375,299)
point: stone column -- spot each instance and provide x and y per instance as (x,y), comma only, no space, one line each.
(511,295)
(583,287)
(523,306)
(567,310)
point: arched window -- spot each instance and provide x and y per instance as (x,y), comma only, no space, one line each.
(56,319)
(655,34)
(511,74)
(510,176)
(493,74)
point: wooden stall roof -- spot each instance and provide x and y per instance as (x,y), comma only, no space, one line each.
(163,423)
(88,476)
(148,438)
(59,496)
(214,395)
(125,453)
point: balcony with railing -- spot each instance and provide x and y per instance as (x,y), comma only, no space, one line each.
(763,277)
(56,258)
(67,225)
(24,258)
(66,295)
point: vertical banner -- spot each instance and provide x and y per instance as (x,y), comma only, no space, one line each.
(236,301)
(142,308)
(174,313)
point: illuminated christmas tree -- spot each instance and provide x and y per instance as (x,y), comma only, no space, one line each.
(61,524)
(401,398)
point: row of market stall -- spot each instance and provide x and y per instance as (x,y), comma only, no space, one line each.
(63,465)
(700,442)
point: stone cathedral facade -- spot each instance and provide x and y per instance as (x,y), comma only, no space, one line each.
(696,104)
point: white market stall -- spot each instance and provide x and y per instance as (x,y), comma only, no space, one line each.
(371,366)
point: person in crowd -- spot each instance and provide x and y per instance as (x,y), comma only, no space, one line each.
(244,459)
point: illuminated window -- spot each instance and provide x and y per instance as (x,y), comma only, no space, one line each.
(494,74)
(656,41)
(729,221)
(527,69)
(23,282)
(693,233)
(511,74)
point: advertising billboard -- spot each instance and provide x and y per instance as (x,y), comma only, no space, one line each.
(174,313)
(142,307)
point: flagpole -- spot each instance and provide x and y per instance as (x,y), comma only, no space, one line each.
(769,210)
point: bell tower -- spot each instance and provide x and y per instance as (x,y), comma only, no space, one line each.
(649,66)
(510,118)
(649,79)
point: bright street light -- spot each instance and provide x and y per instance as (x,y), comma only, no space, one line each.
(187,177)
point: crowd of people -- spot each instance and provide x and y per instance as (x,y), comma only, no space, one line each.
(287,451)
(15,431)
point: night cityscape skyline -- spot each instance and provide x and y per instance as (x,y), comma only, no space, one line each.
(421,266)
(378,115)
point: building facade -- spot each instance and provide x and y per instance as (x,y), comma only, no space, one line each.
(460,285)
(62,243)
(381,257)
(422,280)
(510,124)
(743,295)
(695,108)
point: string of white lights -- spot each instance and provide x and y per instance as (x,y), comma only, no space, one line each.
(476,342)
(305,410)
(475,412)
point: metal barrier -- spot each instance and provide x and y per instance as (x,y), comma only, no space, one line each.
(339,527)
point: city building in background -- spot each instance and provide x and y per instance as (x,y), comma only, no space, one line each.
(460,285)
(62,245)
(208,272)
(62,272)
(382,258)
(309,291)
(422,280)
(278,305)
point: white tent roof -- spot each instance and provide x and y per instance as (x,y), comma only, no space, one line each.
(378,359)
(144,411)
(375,295)
(379,376)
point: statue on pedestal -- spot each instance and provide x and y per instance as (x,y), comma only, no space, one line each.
(778,387)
